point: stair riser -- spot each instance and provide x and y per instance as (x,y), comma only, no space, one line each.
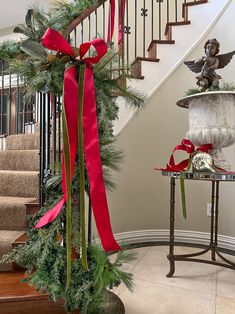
(19,160)
(13,218)
(19,185)
(23,142)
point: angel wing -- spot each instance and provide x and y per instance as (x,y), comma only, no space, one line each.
(225,59)
(194,67)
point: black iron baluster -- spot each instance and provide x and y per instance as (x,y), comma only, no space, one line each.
(144,14)
(136,28)
(127,31)
(17,103)
(48,130)
(58,105)
(42,147)
(9,107)
(96,22)
(119,55)
(82,32)
(54,131)
(176,11)
(75,36)
(43,137)
(103,16)
(160,20)
(2,96)
(152,21)
(167,11)
(89,27)
(37,108)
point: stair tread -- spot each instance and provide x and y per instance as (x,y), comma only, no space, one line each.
(13,212)
(20,160)
(195,2)
(147,59)
(9,236)
(13,288)
(21,172)
(23,141)
(12,200)
(19,183)
(160,42)
(178,23)
(23,134)
(19,151)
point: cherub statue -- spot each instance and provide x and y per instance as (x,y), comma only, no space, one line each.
(208,64)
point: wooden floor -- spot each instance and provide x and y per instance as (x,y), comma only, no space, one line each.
(18,298)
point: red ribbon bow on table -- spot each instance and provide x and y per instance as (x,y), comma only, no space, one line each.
(187,146)
(55,41)
(112,12)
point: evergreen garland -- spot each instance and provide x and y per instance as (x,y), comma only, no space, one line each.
(225,86)
(43,255)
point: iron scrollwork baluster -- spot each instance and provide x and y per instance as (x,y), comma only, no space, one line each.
(144,12)
(46,174)
(127,30)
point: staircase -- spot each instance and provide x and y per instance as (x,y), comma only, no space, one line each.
(19,165)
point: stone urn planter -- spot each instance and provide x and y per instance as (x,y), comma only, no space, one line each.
(211,121)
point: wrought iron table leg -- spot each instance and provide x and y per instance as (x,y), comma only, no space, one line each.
(212,221)
(216,217)
(172,227)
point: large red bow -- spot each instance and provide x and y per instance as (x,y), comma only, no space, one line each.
(55,41)
(187,146)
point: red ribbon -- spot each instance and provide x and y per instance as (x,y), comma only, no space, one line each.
(112,12)
(187,146)
(55,41)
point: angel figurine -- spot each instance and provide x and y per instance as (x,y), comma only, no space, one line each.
(208,64)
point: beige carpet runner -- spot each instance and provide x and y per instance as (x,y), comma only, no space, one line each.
(19,181)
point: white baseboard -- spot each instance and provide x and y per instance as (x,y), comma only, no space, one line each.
(162,235)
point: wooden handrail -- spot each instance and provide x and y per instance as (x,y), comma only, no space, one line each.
(82,17)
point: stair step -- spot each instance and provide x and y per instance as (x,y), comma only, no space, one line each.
(13,212)
(7,238)
(23,142)
(160,42)
(152,49)
(17,297)
(23,160)
(136,67)
(168,29)
(188,4)
(19,183)
(147,59)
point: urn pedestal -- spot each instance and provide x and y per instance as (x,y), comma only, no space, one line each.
(212,121)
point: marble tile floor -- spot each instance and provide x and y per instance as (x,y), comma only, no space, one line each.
(195,287)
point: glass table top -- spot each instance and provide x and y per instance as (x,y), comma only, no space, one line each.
(203,176)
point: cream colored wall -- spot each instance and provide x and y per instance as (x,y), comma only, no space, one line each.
(141,200)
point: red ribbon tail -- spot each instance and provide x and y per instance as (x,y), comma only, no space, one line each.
(51,214)
(111,21)
(94,166)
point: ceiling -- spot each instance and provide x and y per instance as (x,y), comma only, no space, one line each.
(14,11)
